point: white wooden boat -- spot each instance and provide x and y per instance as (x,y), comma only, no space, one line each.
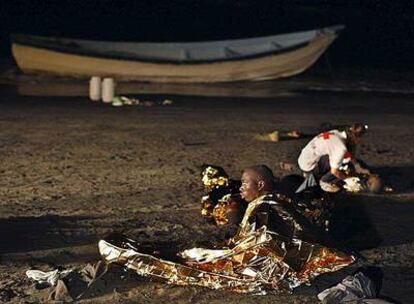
(253,59)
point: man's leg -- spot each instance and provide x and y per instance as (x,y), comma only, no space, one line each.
(309,182)
(328,181)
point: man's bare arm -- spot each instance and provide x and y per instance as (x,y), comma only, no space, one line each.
(358,168)
(339,174)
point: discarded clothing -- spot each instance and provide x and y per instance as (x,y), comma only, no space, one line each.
(352,288)
(70,284)
(269,252)
(51,277)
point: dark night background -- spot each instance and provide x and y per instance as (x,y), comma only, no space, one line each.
(379,34)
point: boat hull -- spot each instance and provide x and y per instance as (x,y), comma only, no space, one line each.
(32,59)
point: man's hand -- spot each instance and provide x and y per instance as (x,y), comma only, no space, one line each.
(339,174)
(361,170)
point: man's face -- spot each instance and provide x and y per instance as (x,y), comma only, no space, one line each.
(250,186)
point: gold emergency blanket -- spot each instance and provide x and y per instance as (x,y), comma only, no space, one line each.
(256,260)
(221,202)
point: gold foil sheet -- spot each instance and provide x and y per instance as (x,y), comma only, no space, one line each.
(255,260)
(213,177)
(222,201)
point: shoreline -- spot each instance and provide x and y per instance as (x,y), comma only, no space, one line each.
(316,80)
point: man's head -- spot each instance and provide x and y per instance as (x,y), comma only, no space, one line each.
(256,181)
(355,132)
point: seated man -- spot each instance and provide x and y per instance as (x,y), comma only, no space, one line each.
(323,156)
(276,212)
(270,251)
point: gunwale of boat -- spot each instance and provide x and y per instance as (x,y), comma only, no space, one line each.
(179,52)
(37,60)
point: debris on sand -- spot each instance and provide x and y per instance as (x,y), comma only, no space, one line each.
(119,101)
(357,288)
(279,135)
(50,277)
(273,136)
(7,295)
(287,166)
(70,284)
(6,291)
(294,134)
(129,101)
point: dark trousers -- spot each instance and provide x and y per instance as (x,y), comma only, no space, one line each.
(323,171)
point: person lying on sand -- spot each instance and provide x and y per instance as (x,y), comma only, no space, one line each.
(271,250)
(328,158)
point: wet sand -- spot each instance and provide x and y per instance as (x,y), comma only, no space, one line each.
(73,170)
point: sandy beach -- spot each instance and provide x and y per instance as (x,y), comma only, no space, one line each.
(73,170)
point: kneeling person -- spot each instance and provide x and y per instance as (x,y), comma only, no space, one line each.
(323,156)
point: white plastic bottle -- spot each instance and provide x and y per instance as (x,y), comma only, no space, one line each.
(95,88)
(108,90)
